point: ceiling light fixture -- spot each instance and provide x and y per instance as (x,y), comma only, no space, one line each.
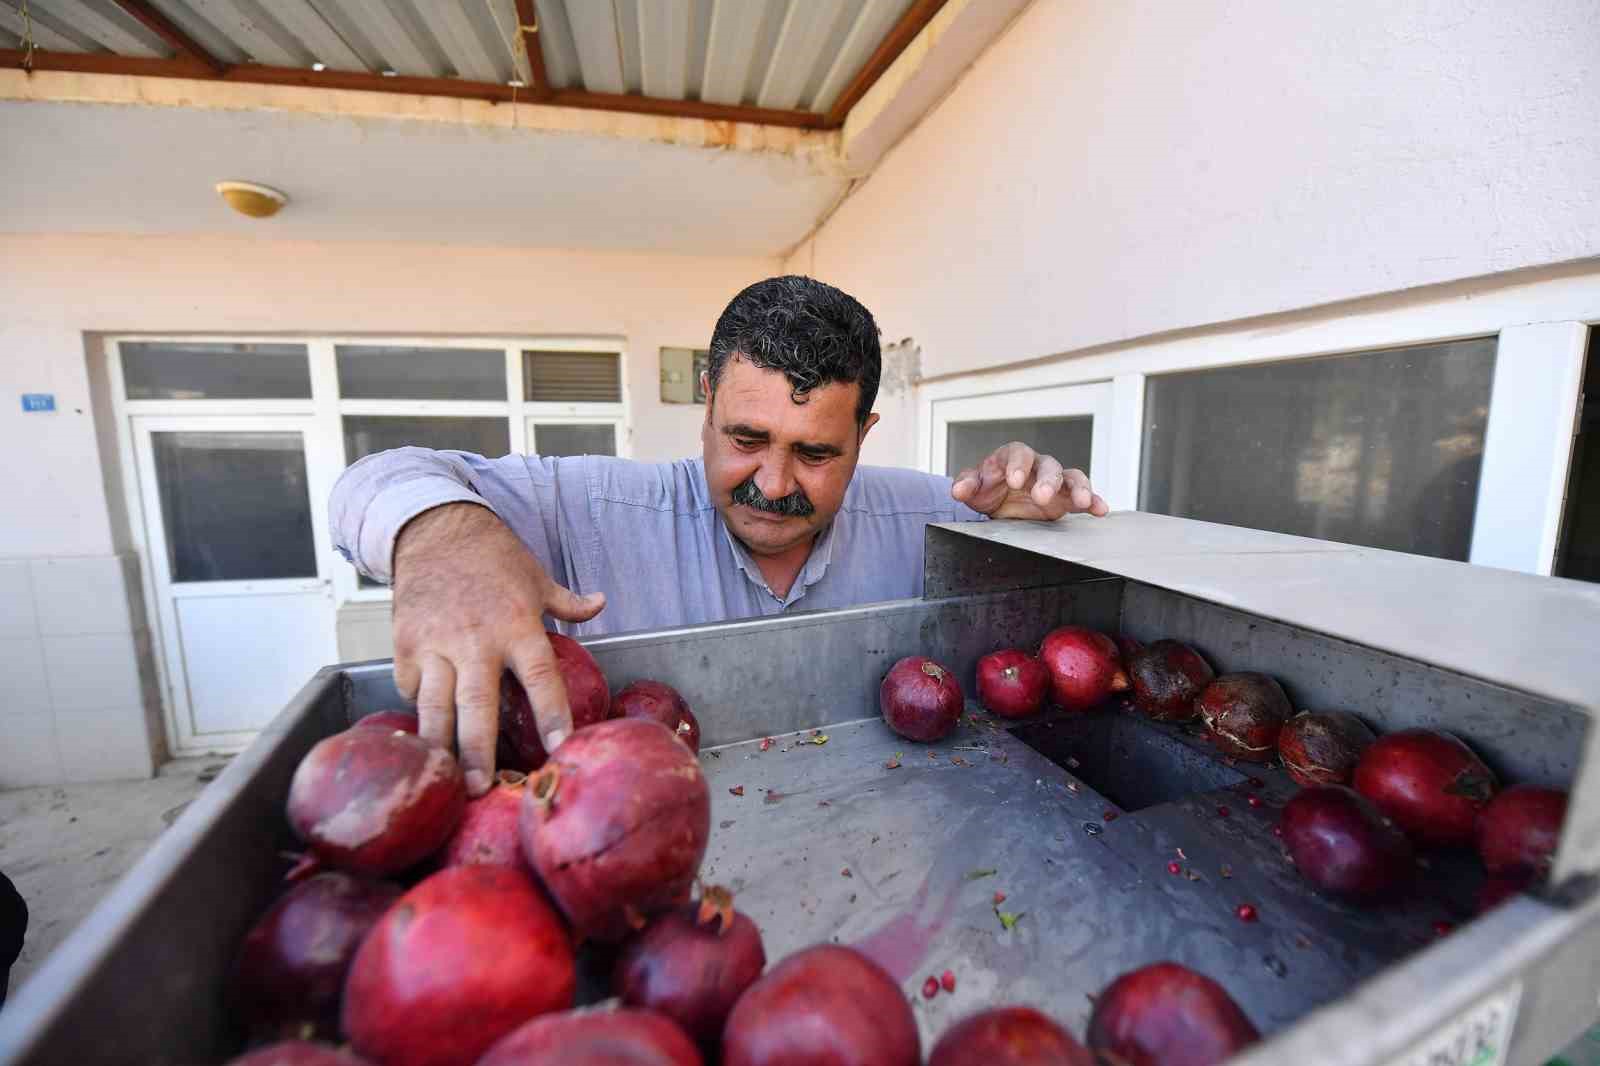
(248,198)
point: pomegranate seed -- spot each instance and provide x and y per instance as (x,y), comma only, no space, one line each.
(947,981)
(1277,830)
(930,988)
(1253,800)
(1109,816)
(999,898)
(766,742)
(1443,928)
(1223,812)
(1174,868)
(1246,912)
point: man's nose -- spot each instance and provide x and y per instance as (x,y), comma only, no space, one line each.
(775,479)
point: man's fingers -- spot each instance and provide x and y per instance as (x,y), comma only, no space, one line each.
(1082,493)
(534,662)
(407,676)
(1019,460)
(1098,507)
(1047,478)
(965,484)
(478,721)
(568,606)
(436,702)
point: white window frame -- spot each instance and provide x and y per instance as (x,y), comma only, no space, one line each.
(1541,327)
(1092,399)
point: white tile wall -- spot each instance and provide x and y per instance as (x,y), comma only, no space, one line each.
(17,618)
(103,745)
(79,595)
(22,665)
(92,673)
(29,756)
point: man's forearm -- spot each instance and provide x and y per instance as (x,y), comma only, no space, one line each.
(374,499)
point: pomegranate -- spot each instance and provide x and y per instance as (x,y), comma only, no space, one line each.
(588,697)
(1168,1015)
(595,1038)
(1323,748)
(661,703)
(461,960)
(1244,713)
(1519,829)
(920,699)
(297,1053)
(291,967)
(692,964)
(1167,678)
(1012,683)
(1127,645)
(825,1004)
(616,824)
(1342,845)
(487,833)
(1496,890)
(404,721)
(1008,1036)
(375,801)
(1428,782)
(1084,667)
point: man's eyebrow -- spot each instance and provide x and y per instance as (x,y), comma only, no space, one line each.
(819,450)
(739,429)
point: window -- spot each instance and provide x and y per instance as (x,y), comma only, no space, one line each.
(1070,440)
(1578,551)
(212,370)
(571,377)
(367,434)
(383,372)
(1379,448)
(556,438)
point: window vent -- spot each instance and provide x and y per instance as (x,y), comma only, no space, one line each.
(572,377)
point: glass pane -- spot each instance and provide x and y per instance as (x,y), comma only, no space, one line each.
(234,505)
(1579,556)
(158,370)
(378,372)
(556,439)
(1068,439)
(1382,448)
(572,377)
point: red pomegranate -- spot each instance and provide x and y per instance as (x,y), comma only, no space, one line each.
(375,801)
(692,964)
(1497,889)
(1520,828)
(920,699)
(291,968)
(1127,645)
(825,1004)
(1429,782)
(616,824)
(1342,845)
(1008,1036)
(1167,679)
(1012,683)
(1323,748)
(595,1038)
(658,702)
(1168,1015)
(588,697)
(461,960)
(1084,667)
(404,721)
(1244,713)
(487,833)
(297,1053)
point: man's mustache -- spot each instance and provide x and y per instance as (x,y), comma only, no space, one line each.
(794,505)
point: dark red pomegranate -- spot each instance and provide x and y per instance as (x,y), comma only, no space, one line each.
(1496,890)
(920,699)
(375,801)
(461,960)
(1520,828)
(616,824)
(1008,1036)
(588,697)
(595,1038)
(692,964)
(1167,679)
(1342,845)
(1012,683)
(1244,713)
(826,1004)
(1085,668)
(290,972)
(1323,748)
(1127,645)
(1168,1015)
(404,721)
(658,702)
(297,1053)
(1428,782)
(487,833)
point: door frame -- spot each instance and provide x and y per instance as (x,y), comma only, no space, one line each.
(184,736)
(1095,400)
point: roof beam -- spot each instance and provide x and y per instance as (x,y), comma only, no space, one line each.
(918,15)
(171,32)
(528,30)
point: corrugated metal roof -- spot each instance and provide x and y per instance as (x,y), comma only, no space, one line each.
(787,54)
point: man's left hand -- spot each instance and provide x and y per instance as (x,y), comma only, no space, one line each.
(1017,482)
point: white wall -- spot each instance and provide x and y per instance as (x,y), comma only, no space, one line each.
(1112,169)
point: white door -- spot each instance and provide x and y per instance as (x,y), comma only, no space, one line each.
(234,523)
(1070,422)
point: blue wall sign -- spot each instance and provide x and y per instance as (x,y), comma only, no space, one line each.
(38,401)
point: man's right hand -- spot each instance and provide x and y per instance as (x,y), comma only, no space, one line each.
(469,602)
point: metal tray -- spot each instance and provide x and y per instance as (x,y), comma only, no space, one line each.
(1076,817)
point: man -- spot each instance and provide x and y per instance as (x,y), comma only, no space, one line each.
(13,925)
(775,514)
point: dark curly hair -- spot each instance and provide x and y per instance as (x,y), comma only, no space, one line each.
(812,332)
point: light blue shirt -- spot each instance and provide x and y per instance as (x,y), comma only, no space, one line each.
(646,534)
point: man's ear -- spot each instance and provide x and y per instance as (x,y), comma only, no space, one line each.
(705,390)
(866,427)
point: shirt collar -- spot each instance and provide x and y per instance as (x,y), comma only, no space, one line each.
(816,563)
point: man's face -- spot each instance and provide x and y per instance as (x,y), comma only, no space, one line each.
(778,469)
